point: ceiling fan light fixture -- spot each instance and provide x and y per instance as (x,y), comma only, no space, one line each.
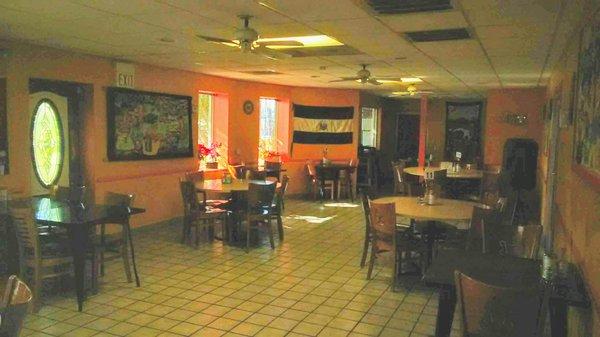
(411,80)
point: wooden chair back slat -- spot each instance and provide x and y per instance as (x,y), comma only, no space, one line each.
(383,221)
(489,310)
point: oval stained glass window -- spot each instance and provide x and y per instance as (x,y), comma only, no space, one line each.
(47,143)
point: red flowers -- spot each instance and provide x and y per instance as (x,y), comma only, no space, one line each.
(208,151)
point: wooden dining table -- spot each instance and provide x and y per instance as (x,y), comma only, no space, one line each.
(332,172)
(79,219)
(443,210)
(462,174)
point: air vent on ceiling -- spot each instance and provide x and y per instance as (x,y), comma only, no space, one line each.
(321,51)
(408,6)
(439,35)
(261,72)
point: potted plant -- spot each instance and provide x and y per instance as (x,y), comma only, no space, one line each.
(209,155)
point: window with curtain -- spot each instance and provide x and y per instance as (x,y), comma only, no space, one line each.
(368,127)
(205,118)
(268,125)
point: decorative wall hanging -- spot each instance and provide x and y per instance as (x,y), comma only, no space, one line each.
(147,125)
(586,138)
(463,129)
(322,125)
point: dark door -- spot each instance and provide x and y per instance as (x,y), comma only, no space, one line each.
(407,136)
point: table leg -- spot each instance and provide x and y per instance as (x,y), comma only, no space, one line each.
(78,235)
(558,318)
(135,272)
(445,314)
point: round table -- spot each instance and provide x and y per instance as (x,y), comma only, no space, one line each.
(462,174)
(237,185)
(443,210)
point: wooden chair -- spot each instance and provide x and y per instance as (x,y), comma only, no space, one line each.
(121,245)
(346,180)
(488,310)
(253,174)
(519,241)
(260,210)
(39,262)
(383,238)
(482,217)
(199,215)
(313,183)
(440,180)
(14,306)
(273,169)
(239,170)
(279,205)
(325,182)
(194,176)
(400,184)
(365,198)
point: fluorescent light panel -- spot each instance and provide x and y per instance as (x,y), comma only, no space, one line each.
(308,41)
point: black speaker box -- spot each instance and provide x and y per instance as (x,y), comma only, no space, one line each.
(519,163)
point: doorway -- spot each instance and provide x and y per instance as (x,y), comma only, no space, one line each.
(407,137)
(56,120)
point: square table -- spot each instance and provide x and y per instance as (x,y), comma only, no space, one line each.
(78,219)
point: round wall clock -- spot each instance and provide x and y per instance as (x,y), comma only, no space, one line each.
(248,107)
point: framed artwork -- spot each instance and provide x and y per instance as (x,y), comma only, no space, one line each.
(586,117)
(463,131)
(147,125)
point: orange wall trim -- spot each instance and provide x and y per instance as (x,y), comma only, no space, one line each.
(107,179)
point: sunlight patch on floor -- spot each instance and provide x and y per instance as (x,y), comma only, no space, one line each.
(341,204)
(311,219)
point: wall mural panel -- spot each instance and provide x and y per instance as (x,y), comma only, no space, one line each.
(146,125)
(586,145)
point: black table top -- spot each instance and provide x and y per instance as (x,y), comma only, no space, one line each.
(493,269)
(55,212)
(503,271)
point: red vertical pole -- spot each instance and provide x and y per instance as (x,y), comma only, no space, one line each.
(423,129)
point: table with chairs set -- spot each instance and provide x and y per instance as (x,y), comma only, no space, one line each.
(474,252)
(335,177)
(239,205)
(58,233)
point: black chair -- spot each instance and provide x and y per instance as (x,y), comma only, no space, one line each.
(260,210)
(253,174)
(199,215)
(273,169)
(119,245)
(400,184)
(365,197)
(326,179)
(279,205)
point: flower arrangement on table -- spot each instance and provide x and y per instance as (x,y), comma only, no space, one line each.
(209,154)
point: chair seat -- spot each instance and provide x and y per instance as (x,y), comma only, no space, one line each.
(219,203)
(54,246)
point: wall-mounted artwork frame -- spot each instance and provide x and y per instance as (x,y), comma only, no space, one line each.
(463,131)
(586,117)
(144,125)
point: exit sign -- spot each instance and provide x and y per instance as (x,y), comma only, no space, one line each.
(125,75)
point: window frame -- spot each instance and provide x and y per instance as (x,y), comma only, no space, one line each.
(211,108)
(373,127)
(62,142)
(275,121)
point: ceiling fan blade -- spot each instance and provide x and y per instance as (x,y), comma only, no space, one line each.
(290,43)
(346,79)
(374,81)
(216,39)
(269,53)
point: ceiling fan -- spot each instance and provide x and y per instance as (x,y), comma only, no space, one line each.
(247,39)
(411,90)
(364,76)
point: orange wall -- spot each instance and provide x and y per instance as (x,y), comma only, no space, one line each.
(577,204)
(153,182)
(496,131)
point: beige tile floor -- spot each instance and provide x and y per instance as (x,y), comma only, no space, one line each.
(310,285)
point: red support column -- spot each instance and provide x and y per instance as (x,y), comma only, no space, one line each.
(423,130)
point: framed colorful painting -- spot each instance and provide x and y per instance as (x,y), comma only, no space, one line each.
(147,125)
(586,138)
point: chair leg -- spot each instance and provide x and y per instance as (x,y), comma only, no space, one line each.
(184,230)
(248,226)
(395,268)
(37,289)
(197,239)
(280,227)
(125,252)
(363,259)
(102,241)
(371,263)
(270,229)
